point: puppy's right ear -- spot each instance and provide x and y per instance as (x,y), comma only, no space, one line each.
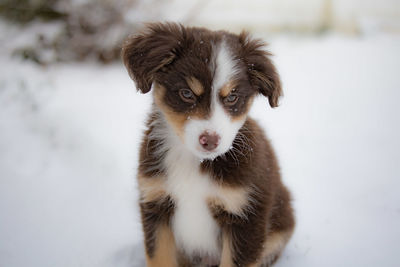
(146,53)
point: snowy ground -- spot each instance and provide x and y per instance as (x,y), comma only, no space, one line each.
(69,136)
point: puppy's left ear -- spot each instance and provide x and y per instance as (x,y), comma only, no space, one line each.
(261,71)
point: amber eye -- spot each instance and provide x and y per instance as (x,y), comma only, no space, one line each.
(187,95)
(231,99)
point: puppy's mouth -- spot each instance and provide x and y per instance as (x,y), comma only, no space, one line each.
(207,155)
(204,154)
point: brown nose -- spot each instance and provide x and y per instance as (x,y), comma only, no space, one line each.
(209,141)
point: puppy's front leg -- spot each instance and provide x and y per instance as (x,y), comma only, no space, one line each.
(242,237)
(159,239)
(241,246)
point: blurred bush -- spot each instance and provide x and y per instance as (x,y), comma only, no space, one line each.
(24,11)
(80,29)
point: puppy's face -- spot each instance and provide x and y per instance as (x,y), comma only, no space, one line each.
(203,81)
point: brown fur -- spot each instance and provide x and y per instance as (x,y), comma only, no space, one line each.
(270,209)
(253,207)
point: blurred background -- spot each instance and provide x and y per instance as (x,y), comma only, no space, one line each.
(71,122)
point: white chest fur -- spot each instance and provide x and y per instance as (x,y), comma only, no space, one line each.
(194,228)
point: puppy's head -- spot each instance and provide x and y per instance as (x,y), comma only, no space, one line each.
(203,81)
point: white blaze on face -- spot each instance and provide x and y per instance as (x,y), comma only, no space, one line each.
(220,122)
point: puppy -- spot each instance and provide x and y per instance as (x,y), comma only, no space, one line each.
(210,188)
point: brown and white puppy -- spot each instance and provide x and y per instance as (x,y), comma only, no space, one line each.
(210,188)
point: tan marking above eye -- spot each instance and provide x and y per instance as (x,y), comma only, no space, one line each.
(195,85)
(227,88)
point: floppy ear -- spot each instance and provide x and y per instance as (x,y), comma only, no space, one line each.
(146,53)
(261,71)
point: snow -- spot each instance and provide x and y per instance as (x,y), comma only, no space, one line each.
(69,137)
